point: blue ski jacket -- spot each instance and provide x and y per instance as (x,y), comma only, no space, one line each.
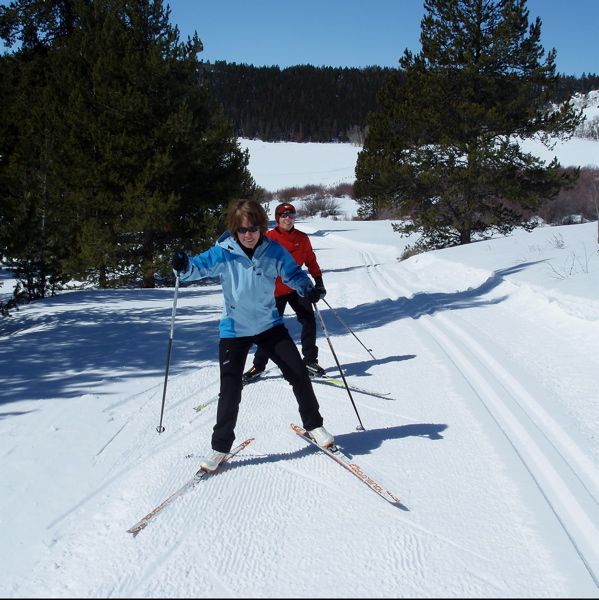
(248,283)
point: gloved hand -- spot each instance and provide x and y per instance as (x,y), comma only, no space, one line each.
(319,285)
(180,261)
(313,295)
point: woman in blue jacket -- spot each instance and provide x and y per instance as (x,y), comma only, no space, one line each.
(248,264)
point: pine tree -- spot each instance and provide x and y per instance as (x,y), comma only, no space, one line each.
(134,156)
(442,149)
(33,216)
(158,155)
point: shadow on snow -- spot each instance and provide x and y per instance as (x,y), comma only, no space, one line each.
(356,443)
(84,340)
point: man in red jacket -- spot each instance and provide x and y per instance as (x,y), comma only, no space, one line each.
(298,244)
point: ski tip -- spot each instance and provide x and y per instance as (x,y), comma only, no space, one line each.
(135,530)
(299,430)
(396,501)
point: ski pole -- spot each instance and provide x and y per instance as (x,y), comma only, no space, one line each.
(160,428)
(348,328)
(360,427)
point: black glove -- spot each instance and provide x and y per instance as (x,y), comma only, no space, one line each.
(319,285)
(313,295)
(180,262)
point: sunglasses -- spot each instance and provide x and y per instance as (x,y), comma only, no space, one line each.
(289,215)
(252,229)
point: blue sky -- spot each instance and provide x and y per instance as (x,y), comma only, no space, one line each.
(358,33)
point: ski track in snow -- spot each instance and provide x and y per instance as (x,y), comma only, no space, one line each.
(565,475)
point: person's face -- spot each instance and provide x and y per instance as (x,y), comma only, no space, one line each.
(287,220)
(248,238)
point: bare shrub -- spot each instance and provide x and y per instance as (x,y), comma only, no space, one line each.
(414,249)
(580,199)
(388,212)
(326,207)
(266,196)
(356,134)
(298,193)
(342,189)
(573,265)
(558,241)
(312,191)
(589,129)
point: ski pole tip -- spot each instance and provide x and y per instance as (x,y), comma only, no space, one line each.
(160,429)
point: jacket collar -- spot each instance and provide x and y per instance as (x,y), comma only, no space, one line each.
(228,242)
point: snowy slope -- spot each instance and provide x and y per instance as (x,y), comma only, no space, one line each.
(490,354)
(490,438)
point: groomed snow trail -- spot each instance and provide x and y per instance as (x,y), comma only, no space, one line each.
(473,431)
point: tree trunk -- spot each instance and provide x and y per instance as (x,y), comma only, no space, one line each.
(148,260)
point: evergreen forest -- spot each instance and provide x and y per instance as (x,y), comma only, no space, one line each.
(318,104)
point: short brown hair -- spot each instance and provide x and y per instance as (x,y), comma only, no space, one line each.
(251,209)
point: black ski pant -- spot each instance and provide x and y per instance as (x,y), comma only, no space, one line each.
(281,349)
(305,315)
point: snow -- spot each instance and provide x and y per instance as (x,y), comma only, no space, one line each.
(278,165)
(490,353)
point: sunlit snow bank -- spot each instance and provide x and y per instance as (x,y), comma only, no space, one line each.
(276,165)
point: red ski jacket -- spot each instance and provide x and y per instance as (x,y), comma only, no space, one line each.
(299,246)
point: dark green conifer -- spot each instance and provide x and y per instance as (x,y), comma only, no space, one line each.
(134,156)
(442,149)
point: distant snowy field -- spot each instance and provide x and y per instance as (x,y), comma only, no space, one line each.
(277,165)
(286,164)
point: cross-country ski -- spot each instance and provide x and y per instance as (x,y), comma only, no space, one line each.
(186,487)
(336,453)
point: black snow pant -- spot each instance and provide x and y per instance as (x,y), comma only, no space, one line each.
(305,315)
(280,348)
